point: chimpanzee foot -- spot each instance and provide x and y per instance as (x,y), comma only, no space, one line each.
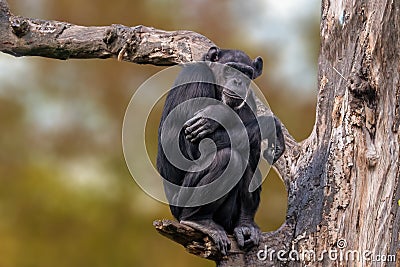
(215,231)
(247,235)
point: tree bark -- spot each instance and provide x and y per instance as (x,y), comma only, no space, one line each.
(54,39)
(342,181)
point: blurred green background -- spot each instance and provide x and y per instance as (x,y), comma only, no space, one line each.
(66,196)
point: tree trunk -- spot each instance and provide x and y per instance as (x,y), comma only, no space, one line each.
(342,181)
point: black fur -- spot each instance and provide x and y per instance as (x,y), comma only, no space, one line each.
(235,211)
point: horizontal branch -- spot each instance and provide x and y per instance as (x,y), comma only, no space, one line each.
(195,241)
(60,40)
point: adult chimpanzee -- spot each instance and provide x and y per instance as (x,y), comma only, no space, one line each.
(223,76)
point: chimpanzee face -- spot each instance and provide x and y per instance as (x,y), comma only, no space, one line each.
(233,84)
(233,74)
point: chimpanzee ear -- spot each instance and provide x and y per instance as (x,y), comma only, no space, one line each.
(258,67)
(212,54)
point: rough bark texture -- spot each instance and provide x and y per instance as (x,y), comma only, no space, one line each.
(342,181)
(33,37)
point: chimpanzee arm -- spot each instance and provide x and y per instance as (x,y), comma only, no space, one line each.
(271,130)
(280,140)
(207,120)
(201,125)
(275,137)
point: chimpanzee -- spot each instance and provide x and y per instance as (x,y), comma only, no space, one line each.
(225,76)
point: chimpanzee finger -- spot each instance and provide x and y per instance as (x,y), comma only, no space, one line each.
(254,238)
(200,122)
(255,235)
(201,135)
(228,244)
(239,237)
(220,246)
(190,121)
(197,131)
(193,120)
(246,231)
(196,136)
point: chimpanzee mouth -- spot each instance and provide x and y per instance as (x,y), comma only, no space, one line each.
(231,95)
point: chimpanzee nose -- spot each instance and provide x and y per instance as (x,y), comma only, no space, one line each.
(237,82)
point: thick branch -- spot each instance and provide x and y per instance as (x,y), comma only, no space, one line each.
(195,241)
(53,39)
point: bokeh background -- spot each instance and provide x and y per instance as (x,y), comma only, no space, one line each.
(66,195)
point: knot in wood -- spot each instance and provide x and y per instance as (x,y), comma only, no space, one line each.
(357,86)
(111,35)
(19,26)
(361,88)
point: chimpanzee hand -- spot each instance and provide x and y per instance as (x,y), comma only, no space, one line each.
(276,140)
(247,235)
(198,127)
(275,136)
(201,125)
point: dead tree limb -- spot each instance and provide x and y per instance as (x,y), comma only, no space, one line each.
(60,40)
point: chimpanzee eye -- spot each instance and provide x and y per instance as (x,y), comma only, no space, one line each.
(248,73)
(228,71)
